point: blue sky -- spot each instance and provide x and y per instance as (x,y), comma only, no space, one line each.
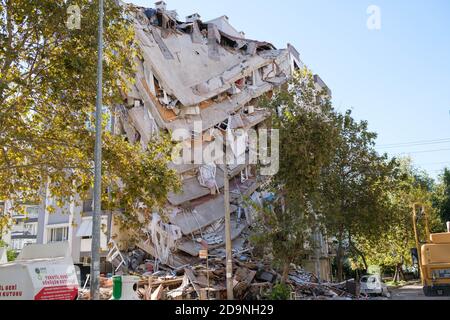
(397,78)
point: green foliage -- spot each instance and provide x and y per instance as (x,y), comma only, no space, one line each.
(354,189)
(146,177)
(307,138)
(47,98)
(4,224)
(374,270)
(10,254)
(280,292)
(392,247)
(442,196)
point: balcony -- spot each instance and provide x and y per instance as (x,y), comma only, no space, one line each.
(23,235)
(31,214)
(84,232)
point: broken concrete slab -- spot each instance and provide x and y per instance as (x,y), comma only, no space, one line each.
(193,247)
(266,276)
(193,190)
(201,216)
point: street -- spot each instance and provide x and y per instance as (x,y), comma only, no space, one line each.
(411,292)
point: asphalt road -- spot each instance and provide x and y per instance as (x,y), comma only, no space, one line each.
(411,292)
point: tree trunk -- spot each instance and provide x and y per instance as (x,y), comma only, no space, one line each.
(396,275)
(340,263)
(401,275)
(286,271)
(358,252)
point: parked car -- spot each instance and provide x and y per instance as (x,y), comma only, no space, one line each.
(374,285)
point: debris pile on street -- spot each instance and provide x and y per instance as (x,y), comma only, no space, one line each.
(253,280)
(106,287)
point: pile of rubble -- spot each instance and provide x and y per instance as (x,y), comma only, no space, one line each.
(106,287)
(253,280)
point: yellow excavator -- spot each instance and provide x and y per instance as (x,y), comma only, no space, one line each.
(433,256)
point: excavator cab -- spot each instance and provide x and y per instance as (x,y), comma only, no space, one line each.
(434,256)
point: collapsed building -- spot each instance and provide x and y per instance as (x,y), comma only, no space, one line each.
(192,72)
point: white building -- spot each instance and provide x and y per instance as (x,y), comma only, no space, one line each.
(24,225)
(73,224)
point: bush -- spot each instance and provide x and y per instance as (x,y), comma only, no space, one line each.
(11,255)
(280,292)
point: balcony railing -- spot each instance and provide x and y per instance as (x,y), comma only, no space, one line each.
(26,216)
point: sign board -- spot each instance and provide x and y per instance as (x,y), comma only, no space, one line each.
(42,272)
(203,254)
(57,293)
(58,281)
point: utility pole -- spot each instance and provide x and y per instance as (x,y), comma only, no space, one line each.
(96,218)
(229,253)
(317,251)
(416,236)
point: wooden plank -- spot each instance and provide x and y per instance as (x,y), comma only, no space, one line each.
(155,283)
(193,281)
(157,295)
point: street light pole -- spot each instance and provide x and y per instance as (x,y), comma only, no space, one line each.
(96,218)
(228,242)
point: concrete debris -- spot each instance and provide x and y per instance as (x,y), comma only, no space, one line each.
(136,259)
(164,237)
(207,177)
(307,287)
(266,277)
(253,280)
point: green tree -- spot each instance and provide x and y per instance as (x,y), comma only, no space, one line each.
(353,188)
(10,254)
(393,247)
(304,118)
(4,222)
(442,196)
(47,98)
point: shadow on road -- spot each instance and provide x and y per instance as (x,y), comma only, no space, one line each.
(412,292)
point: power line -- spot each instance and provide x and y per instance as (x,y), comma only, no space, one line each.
(433,163)
(415,143)
(425,151)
